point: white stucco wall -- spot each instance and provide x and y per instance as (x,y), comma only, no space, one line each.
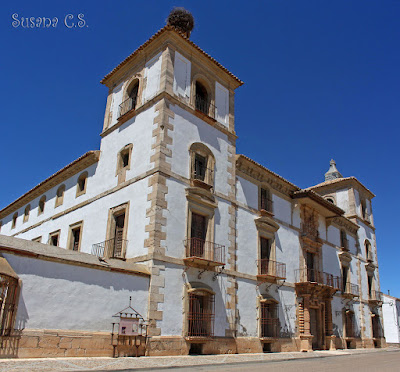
(61,296)
(391,319)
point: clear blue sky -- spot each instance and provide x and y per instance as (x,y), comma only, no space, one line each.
(321,80)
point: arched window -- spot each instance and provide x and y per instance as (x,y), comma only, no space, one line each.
(202,165)
(42,203)
(130,101)
(60,195)
(81,184)
(330,200)
(14,220)
(26,212)
(202,99)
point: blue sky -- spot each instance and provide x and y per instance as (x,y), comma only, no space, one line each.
(321,80)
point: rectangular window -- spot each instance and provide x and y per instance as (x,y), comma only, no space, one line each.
(198,233)
(265,200)
(370,282)
(200,165)
(345,274)
(201,315)
(54,238)
(116,243)
(269,320)
(310,261)
(350,324)
(75,236)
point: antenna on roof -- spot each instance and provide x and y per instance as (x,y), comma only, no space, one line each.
(182,20)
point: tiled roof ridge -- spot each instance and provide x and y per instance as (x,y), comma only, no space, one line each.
(338,180)
(158,33)
(86,155)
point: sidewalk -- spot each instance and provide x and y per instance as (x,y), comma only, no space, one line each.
(168,362)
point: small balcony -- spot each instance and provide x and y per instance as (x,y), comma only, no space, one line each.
(375,297)
(112,248)
(203,177)
(204,106)
(317,277)
(127,106)
(269,328)
(350,290)
(204,253)
(273,270)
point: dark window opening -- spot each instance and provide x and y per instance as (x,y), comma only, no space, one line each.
(310,260)
(196,349)
(76,235)
(118,235)
(267,347)
(265,200)
(370,279)
(133,94)
(330,200)
(198,233)
(200,165)
(54,240)
(125,159)
(202,101)
(345,273)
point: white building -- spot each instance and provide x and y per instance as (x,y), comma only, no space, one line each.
(239,259)
(391,319)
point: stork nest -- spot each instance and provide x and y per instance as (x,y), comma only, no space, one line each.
(182,20)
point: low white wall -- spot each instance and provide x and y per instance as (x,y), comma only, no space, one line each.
(69,297)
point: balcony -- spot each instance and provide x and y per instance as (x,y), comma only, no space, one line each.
(269,328)
(203,177)
(204,253)
(112,248)
(127,106)
(375,298)
(204,106)
(268,269)
(350,290)
(317,277)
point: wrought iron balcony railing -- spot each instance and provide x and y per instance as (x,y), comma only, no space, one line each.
(204,105)
(126,106)
(112,248)
(269,268)
(375,296)
(269,327)
(350,289)
(204,250)
(314,276)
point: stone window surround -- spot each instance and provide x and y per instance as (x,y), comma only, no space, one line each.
(42,205)
(120,169)
(54,233)
(70,237)
(115,212)
(14,220)
(197,288)
(26,213)
(205,211)
(205,82)
(203,150)
(59,196)
(82,177)
(264,298)
(37,239)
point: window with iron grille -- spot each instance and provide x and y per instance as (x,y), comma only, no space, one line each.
(350,324)
(201,314)
(265,200)
(269,320)
(8,302)
(202,101)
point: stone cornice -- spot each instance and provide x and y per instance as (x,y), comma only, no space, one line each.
(262,174)
(70,170)
(342,221)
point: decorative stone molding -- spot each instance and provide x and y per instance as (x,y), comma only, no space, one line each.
(201,196)
(343,222)
(266,223)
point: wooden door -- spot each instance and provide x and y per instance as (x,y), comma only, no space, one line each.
(119,235)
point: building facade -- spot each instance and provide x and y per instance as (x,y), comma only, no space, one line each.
(239,259)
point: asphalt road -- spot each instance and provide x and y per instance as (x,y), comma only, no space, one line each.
(385,361)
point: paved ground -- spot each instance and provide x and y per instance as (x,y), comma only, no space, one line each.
(377,360)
